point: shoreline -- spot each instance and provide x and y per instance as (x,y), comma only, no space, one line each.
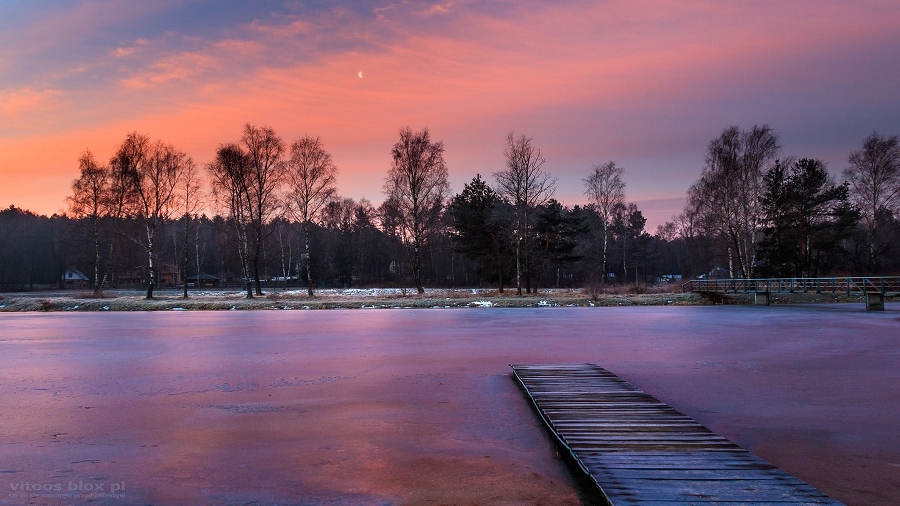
(378,298)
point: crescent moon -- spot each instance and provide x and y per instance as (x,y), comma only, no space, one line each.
(360,74)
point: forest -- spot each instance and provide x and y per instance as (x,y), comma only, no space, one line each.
(266,213)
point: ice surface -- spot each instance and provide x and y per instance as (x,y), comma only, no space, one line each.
(417,407)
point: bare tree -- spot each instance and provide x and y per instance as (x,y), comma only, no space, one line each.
(264,150)
(728,196)
(874,178)
(526,186)
(230,173)
(311,177)
(416,187)
(606,191)
(149,174)
(190,201)
(90,200)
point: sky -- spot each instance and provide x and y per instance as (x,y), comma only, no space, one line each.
(646,84)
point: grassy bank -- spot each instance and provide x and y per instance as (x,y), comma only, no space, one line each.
(374,299)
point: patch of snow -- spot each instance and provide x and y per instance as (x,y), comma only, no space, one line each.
(543,303)
(481,303)
(178,309)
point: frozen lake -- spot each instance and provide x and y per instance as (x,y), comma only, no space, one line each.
(417,406)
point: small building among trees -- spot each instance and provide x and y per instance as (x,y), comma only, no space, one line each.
(73,278)
(204,281)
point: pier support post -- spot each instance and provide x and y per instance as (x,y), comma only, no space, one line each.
(874,301)
(761,299)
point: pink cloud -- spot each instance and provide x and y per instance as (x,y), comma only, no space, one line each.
(437,9)
(123,51)
(181,67)
(24,101)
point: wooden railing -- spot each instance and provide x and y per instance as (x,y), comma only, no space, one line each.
(846,285)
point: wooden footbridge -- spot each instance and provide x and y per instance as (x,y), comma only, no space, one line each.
(640,451)
(874,288)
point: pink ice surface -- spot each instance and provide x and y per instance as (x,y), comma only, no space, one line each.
(417,406)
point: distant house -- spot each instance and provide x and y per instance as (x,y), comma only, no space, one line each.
(204,280)
(716,273)
(73,278)
(167,276)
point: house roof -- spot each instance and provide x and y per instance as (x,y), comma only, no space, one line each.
(75,274)
(203,277)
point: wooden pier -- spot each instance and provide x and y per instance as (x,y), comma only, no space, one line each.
(640,451)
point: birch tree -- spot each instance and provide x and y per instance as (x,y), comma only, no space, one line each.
(231,180)
(728,196)
(90,201)
(264,150)
(874,178)
(416,187)
(311,175)
(149,173)
(190,201)
(526,186)
(606,191)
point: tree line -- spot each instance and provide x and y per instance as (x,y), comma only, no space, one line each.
(762,215)
(139,219)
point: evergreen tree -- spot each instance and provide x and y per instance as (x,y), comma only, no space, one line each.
(807,217)
(557,231)
(482,229)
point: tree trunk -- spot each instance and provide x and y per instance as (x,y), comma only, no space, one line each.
(518,267)
(150,253)
(730,264)
(98,287)
(605,253)
(244,253)
(309,283)
(255,277)
(871,265)
(257,254)
(417,280)
(186,258)
(197,251)
(624,258)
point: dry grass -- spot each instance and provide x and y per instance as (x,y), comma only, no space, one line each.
(436,298)
(92,295)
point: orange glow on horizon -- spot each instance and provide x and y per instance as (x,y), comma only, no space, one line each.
(590,82)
